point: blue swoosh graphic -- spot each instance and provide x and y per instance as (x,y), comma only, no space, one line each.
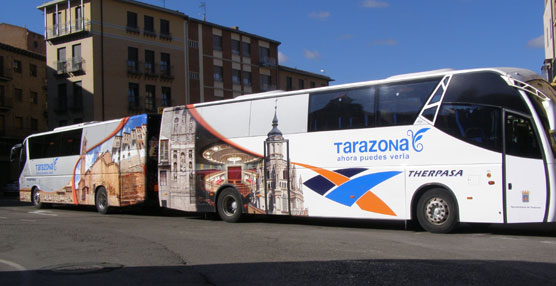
(349,192)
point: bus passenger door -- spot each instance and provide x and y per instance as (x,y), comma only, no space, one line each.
(526,185)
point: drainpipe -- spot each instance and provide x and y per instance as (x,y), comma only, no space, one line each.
(102,58)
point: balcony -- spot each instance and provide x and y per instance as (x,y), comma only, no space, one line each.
(149,33)
(134,106)
(61,67)
(133,29)
(77,65)
(75,26)
(133,67)
(165,36)
(150,69)
(166,72)
(267,62)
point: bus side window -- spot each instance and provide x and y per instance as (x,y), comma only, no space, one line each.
(342,109)
(478,125)
(521,138)
(399,104)
(71,142)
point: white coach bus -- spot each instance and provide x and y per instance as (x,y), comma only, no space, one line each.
(440,147)
(105,164)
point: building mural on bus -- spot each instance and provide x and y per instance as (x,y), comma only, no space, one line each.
(116,161)
(195,162)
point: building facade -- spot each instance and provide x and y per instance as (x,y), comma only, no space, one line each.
(20,37)
(109,59)
(226,62)
(112,58)
(22,100)
(294,79)
(548,68)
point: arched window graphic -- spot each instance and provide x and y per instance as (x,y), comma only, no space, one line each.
(182,162)
(284,202)
(176,123)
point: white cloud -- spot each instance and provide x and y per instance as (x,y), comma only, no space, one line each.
(375,4)
(311,55)
(282,58)
(321,15)
(387,42)
(536,43)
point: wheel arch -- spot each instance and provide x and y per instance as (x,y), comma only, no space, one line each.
(426,187)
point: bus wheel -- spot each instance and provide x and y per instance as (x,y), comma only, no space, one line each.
(437,211)
(36,199)
(101,201)
(229,205)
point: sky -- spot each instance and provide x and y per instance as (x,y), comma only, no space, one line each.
(359,40)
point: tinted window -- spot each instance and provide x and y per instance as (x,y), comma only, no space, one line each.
(521,138)
(485,88)
(344,109)
(70,143)
(386,105)
(66,143)
(430,112)
(478,125)
(399,104)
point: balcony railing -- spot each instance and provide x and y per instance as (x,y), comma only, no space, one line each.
(166,36)
(61,67)
(134,105)
(77,65)
(75,26)
(150,33)
(133,29)
(150,69)
(133,67)
(166,71)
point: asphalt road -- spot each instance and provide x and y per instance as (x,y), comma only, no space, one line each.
(76,246)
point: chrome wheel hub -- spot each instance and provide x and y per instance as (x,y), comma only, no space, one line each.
(437,211)
(230,206)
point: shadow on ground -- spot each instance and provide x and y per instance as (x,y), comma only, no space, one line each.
(358,272)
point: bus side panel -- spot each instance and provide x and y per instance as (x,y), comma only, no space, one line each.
(102,156)
(472,174)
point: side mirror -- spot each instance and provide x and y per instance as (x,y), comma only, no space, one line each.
(14,152)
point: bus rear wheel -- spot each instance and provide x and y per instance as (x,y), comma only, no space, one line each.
(101,201)
(36,199)
(437,211)
(229,205)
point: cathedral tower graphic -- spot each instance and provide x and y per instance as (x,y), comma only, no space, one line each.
(284,195)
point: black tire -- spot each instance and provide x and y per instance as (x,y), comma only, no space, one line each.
(437,211)
(229,205)
(101,201)
(36,199)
